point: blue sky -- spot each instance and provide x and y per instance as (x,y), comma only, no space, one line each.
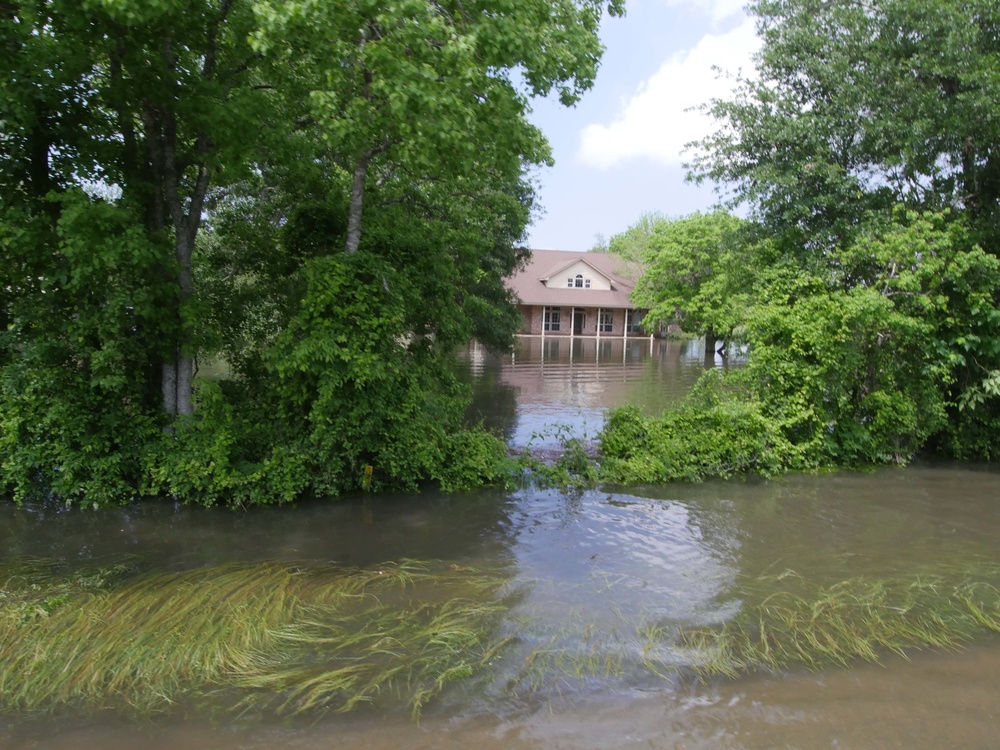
(618,152)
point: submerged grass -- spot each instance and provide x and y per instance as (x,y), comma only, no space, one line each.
(567,659)
(274,637)
(857,619)
(292,639)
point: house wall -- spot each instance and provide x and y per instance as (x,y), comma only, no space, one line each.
(597,281)
(533,315)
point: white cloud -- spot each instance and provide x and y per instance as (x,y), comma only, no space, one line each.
(654,123)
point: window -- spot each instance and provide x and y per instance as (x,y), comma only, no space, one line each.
(586,283)
(551,319)
(605,321)
(569,282)
(579,281)
(633,321)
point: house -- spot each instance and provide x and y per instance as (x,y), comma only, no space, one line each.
(564,293)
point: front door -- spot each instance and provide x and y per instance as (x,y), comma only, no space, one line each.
(579,321)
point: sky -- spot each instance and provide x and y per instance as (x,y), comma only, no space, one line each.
(619,151)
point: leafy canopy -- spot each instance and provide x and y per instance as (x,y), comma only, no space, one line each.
(180,182)
(865,150)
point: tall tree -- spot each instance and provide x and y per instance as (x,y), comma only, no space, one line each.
(858,106)
(692,275)
(159,109)
(147,100)
(426,90)
(159,98)
(867,148)
(633,244)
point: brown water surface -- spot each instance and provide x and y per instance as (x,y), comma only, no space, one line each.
(570,382)
(591,570)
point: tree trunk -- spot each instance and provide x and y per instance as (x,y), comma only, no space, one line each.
(182,365)
(357,204)
(169,383)
(710,338)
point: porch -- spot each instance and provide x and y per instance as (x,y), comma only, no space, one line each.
(597,322)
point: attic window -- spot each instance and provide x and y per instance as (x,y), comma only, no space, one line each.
(586,283)
(569,282)
(579,281)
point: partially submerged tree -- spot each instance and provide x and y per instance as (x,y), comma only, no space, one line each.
(860,108)
(866,150)
(164,111)
(694,266)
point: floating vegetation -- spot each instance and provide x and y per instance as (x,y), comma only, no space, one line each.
(857,619)
(275,637)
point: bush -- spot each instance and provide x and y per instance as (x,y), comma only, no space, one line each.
(346,386)
(225,455)
(711,434)
(897,353)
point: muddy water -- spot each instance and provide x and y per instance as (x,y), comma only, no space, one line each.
(591,571)
(570,382)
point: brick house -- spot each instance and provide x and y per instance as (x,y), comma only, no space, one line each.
(564,293)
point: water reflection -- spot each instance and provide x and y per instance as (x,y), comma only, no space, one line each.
(884,523)
(358,531)
(572,382)
(615,554)
(591,570)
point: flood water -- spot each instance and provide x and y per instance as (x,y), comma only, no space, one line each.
(562,382)
(592,571)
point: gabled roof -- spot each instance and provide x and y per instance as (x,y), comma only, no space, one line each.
(559,269)
(529,282)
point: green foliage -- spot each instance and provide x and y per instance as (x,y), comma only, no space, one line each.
(347,384)
(348,373)
(695,273)
(866,289)
(869,366)
(264,122)
(226,454)
(73,422)
(413,77)
(875,370)
(713,434)
(571,466)
(857,108)
(635,242)
(474,458)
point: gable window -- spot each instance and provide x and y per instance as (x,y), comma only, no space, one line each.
(579,281)
(586,283)
(569,282)
(550,321)
(605,321)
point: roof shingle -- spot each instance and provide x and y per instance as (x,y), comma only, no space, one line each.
(530,288)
